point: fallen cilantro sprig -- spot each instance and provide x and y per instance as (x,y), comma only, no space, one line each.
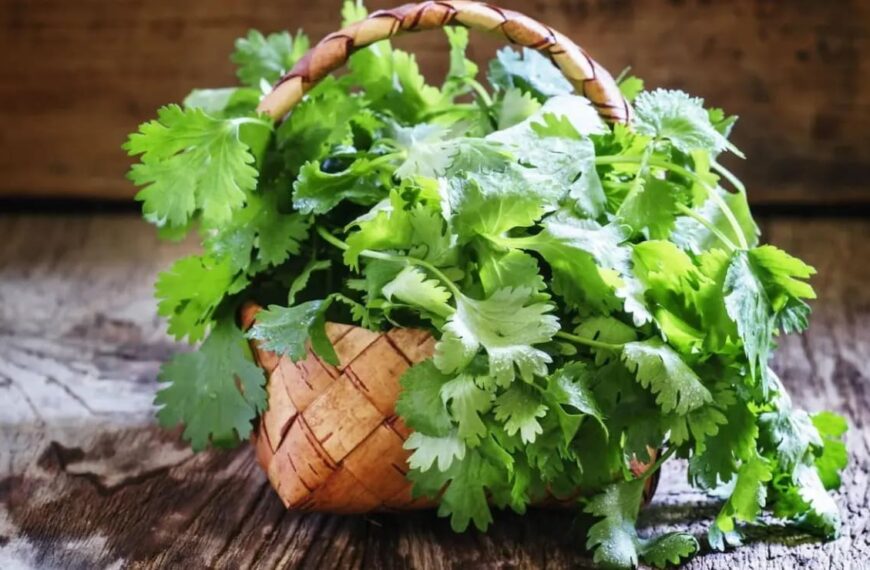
(597,290)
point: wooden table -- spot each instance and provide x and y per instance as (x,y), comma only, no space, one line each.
(87,480)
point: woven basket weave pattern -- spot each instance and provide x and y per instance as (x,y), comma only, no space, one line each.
(331,440)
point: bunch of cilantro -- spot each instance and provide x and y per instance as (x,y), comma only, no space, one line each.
(595,290)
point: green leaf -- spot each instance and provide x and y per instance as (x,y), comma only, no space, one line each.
(318,192)
(260,231)
(650,207)
(190,162)
(749,495)
(520,408)
(352,11)
(266,58)
(467,402)
(804,499)
(661,370)
(411,286)
(318,124)
(285,330)
(465,498)
(693,236)
(510,269)
(672,548)
(434,451)
(570,388)
(225,102)
(420,404)
(614,537)
(631,87)
(833,458)
(528,70)
(681,119)
(782,272)
(747,304)
(393,83)
(790,433)
(506,325)
(578,250)
(300,282)
(608,330)
(215,391)
(461,69)
(514,107)
(190,292)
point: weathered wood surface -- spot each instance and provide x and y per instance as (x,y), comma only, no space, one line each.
(87,481)
(76,77)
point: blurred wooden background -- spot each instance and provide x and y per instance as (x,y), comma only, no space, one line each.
(77,76)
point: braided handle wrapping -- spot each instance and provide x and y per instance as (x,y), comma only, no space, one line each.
(332,52)
(331,440)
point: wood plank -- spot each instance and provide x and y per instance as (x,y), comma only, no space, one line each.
(78,76)
(87,481)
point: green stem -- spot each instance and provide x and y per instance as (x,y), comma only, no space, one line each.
(480,91)
(726,211)
(331,239)
(704,222)
(588,341)
(398,155)
(730,177)
(659,462)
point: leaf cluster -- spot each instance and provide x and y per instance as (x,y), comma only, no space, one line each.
(597,291)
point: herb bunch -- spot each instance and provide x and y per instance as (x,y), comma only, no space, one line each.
(598,291)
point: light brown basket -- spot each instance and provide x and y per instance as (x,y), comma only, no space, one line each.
(331,440)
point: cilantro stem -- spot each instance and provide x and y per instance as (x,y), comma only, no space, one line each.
(480,91)
(588,341)
(383,159)
(726,210)
(706,223)
(730,177)
(331,239)
(659,462)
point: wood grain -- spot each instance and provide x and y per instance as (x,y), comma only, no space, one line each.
(76,77)
(87,481)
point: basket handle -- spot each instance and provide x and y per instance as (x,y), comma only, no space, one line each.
(333,51)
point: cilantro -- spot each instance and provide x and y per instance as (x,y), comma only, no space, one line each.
(596,291)
(263,59)
(203,391)
(191,162)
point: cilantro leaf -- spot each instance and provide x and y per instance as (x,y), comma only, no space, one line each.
(670,548)
(434,451)
(614,537)
(202,391)
(286,330)
(528,70)
(190,292)
(260,231)
(749,495)
(266,58)
(681,119)
(411,286)
(520,408)
(747,304)
(506,325)
(190,162)
(317,191)
(663,372)
(833,458)
(467,402)
(420,403)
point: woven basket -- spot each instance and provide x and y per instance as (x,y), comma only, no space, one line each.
(331,440)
